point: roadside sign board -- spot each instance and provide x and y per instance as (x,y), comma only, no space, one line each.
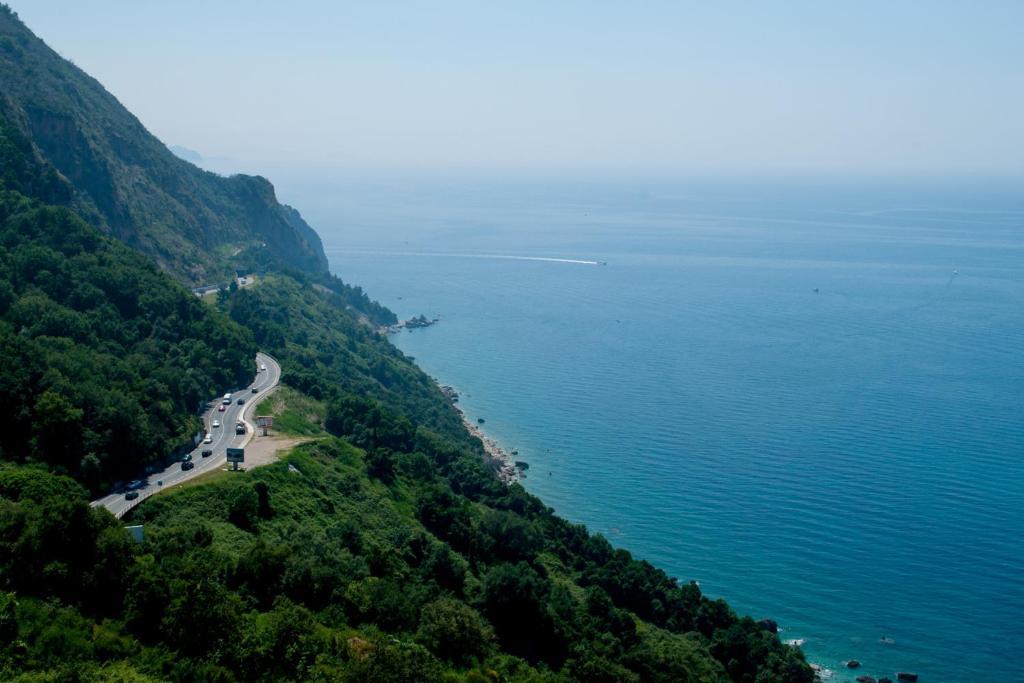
(265,422)
(236,455)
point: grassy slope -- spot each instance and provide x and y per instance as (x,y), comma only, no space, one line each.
(294,413)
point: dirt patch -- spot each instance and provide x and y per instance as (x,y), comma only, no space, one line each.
(263,450)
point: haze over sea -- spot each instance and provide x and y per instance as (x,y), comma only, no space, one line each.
(808,396)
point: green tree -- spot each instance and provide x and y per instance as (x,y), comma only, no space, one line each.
(454,631)
(244,508)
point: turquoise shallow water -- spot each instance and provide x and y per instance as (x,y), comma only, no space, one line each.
(846,461)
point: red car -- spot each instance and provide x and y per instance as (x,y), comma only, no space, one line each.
(221,408)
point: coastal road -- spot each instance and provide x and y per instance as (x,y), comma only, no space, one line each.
(223,438)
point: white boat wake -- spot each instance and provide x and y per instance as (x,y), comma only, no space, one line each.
(442,254)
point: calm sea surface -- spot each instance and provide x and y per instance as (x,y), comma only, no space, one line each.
(808,397)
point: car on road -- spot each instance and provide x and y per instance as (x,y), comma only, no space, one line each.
(208,439)
(222,407)
(131,495)
(216,423)
(263,366)
(226,402)
(136,484)
(241,401)
(207,452)
(255,390)
(187,465)
(186,458)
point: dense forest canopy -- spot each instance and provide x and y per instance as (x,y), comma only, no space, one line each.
(104,360)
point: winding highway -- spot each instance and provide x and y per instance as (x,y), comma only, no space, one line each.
(224,437)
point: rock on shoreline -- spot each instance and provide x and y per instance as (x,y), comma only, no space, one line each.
(410,324)
(500,460)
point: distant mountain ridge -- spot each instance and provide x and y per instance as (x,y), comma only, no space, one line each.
(121,178)
(186,153)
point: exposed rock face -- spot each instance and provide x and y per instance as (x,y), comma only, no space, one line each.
(769,625)
(852,664)
(126,182)
(906,677)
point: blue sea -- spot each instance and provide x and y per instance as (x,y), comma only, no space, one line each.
(806,394)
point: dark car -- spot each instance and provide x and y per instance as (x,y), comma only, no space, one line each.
(187,465)
(207,453)
(255,390)
(186,458)
(241,401)
(131,495)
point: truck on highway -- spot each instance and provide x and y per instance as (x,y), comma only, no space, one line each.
(227,399)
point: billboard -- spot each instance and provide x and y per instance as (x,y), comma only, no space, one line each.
(265,422)
(236,455)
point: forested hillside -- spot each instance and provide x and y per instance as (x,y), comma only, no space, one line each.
(104,360)
(388,553)
(195,224)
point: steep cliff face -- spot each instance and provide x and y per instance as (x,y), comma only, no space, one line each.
(194,223)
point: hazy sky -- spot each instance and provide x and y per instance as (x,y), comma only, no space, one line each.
(784,85)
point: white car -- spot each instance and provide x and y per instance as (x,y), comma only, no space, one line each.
(208,439)
(263,366)
(216,423)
